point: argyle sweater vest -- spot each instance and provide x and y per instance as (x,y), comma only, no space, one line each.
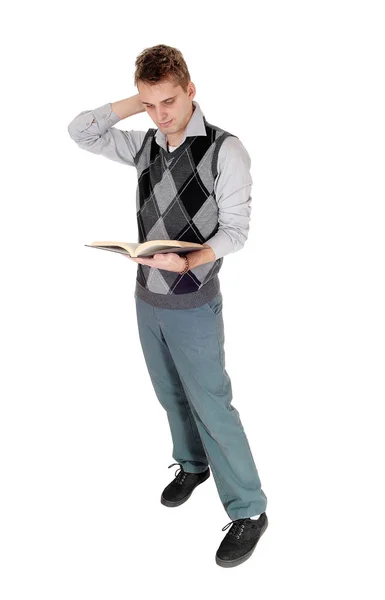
(175,200)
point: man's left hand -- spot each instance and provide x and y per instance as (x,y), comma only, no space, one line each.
(169,261)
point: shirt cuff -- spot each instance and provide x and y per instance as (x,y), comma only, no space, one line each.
(102,117)
(106,112)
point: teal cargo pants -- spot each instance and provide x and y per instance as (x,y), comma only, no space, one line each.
(185,357)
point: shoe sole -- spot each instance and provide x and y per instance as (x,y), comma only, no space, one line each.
(241,559)
(172,504)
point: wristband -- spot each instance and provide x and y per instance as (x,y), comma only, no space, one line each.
(187,266)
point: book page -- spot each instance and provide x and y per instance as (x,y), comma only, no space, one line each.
(130,248)
(162,246)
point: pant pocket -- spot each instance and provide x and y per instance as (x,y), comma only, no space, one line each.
(215,304)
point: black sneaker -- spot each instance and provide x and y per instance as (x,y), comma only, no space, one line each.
(181,488)
(240,541)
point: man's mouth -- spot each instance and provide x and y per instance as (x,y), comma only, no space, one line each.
(166,123)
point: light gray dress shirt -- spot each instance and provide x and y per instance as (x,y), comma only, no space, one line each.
(93,130)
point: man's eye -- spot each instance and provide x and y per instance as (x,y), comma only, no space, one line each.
(168,102)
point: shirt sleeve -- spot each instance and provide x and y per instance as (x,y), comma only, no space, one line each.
(232,188)
(93,130)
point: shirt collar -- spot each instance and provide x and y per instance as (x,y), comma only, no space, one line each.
(195,127)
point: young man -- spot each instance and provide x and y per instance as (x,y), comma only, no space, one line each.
(194,185)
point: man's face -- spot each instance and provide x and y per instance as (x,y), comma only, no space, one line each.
(166,102)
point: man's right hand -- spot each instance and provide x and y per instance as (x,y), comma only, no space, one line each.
(128,107)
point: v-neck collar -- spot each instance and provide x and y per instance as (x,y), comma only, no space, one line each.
(181,148)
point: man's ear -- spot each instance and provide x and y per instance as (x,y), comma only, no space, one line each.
(192,90)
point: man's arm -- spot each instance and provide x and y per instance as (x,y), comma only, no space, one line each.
(93,130)
(128,107)
(232,191)
(200,257)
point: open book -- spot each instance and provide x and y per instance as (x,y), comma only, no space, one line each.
(148,248)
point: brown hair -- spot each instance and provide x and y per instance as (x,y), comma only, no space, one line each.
(161,62)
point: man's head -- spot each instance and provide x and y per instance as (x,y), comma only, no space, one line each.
(165,88)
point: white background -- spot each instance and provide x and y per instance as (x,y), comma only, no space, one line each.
(84,442)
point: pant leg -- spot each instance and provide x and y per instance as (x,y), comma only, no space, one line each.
(195,338)
(187,445)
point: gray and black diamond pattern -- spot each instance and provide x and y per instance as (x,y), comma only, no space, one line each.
(175,200)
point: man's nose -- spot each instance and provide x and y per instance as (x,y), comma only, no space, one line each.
(161,115)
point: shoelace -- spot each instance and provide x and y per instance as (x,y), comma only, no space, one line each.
(237,527)
(180,475)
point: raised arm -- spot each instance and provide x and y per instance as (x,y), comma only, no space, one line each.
(94,131)
(128,107)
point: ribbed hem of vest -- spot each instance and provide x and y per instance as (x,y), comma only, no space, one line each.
(180,301)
